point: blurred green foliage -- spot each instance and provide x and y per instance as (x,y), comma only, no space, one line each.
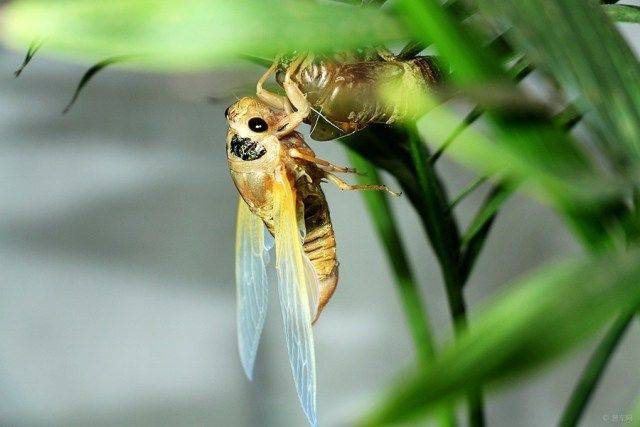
(190,34)
(526,146)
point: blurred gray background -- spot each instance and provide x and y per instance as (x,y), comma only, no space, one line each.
(117,302)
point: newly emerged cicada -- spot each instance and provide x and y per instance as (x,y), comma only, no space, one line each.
(344,93)
(278,177)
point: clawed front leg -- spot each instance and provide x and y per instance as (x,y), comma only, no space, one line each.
(342,185)
(322,164)
(274,100)
(296,97)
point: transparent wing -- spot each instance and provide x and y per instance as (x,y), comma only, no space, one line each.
(312,285)
(269,241)
(296,302)
(251,284)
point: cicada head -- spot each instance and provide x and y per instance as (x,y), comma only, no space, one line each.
(252,128)
(252,118)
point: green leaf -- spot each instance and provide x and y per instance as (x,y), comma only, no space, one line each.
(476,234)
(595,368)
(623,12)
(591,202)
(31,52)
(90,74)
(387,230)
(191,34)
(574,41)
(562,177)
(386,147)
(530,146)
(444,236)
(468,190)
(491,205)
(440,225)
(385,224)
(538,320)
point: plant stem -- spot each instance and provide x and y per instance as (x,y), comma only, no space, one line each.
(594,370)
(456,265)
(387,230)
(445,239)
(441,226)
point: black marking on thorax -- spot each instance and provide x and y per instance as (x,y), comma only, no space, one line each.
(246,149)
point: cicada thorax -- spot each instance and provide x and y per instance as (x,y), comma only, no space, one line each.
(252,168)
(353,95)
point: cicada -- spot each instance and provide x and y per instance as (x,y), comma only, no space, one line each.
(343,93)
(278,177)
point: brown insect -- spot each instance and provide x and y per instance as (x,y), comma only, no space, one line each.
(341,94)
(278,177)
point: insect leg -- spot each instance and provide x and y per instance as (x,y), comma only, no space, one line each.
(322,164)
(296,97)
(342,185)
(273,99)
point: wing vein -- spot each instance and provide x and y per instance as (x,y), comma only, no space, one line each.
(296,295)
(251,284)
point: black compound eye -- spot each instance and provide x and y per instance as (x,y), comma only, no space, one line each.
(226,112)
(257,124)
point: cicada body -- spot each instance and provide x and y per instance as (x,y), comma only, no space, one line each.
(347,96)
(278,177)
(261,170)
(284,194)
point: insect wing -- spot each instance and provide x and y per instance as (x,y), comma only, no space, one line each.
(251,284)
(297,308)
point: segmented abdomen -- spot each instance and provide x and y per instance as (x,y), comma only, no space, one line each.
(352,94)
(319,241)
